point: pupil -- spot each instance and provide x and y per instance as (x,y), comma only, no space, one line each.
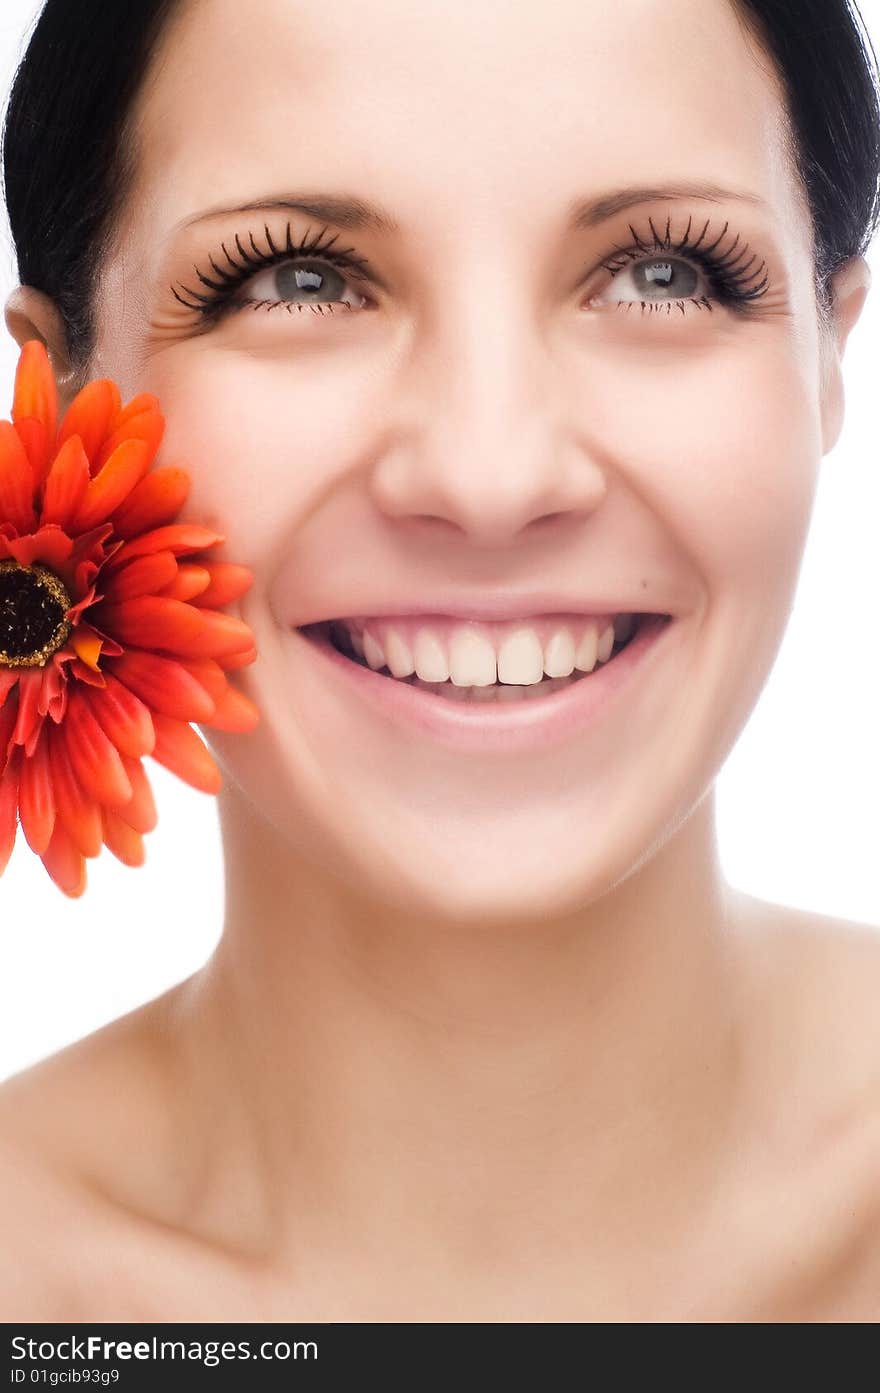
(666,274)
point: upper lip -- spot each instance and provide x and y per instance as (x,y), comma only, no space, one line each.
(500,606)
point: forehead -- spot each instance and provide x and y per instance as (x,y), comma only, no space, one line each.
(505,108)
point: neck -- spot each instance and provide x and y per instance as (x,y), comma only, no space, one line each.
(373,1070)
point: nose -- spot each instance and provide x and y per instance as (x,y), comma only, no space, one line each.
(485,437)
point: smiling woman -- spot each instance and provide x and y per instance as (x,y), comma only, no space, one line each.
(487,1036)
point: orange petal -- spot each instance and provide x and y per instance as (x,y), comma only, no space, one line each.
(145,576)
(149,621)
(16,481)
(209,672)
(157,499)
(87,645)
(66,483)
(80,814)
(37,446)
(64,863)
(144,401)
(8,680)
(181,750)
(222,634)
(123,717)
(126,467)
(234,711)
(94,757)
(126,844)
(28,718)
(177,537)
(146,425)
(237,660)
(140,813)
(8,806)
(35,393)
(36,802)
(189,581)
(164,685)
(48,544)
(228,582)
(90,415)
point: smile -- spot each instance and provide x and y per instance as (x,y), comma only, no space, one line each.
(487,686)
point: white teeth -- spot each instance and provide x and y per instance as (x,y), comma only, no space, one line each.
(430,658)
(559,654)
(585,657)
(471,659)
(373,652)
(521,658)
(397,655)
(463,658)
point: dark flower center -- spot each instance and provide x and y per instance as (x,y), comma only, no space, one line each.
(33,603)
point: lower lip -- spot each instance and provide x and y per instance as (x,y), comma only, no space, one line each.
(522,725)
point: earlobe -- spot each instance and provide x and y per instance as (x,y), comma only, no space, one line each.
(849,288)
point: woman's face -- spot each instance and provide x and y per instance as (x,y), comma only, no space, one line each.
(487,410)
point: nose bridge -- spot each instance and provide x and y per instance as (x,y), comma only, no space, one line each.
(486,446)
(485,375)
(486,439)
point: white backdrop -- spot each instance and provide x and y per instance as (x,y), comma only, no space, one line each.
(799,797)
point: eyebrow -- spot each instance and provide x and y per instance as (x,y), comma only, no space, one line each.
(357,214)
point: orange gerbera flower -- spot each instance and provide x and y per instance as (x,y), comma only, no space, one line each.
(103,628)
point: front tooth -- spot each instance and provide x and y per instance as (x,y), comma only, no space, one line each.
(471,659)
(559,654)
(373,653)
(585,657)
(521,658)
(606,643)
(429,657)
(397,655)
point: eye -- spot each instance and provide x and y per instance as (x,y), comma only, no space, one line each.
(300,279)
(663,274)
(298,284)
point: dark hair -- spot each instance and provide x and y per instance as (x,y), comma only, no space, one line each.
(69,151)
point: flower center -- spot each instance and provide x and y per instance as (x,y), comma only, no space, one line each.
(33,603)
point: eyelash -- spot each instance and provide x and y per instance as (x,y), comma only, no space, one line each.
(730,281)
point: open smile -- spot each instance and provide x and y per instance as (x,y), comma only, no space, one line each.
(485,715)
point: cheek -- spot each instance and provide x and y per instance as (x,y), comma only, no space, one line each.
(261,445)
(730,449)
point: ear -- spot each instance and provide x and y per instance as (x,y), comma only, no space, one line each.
(850,286)
(31,314)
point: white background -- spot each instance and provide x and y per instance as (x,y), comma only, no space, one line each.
(798,799)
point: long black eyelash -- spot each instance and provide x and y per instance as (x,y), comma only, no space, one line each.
(221,290)
(730,279)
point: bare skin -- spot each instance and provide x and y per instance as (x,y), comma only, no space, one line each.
(485,1038)
(110,1211)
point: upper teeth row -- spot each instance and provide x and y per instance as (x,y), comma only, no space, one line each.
(470,655)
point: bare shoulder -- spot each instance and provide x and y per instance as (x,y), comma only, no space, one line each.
(822,975)
(814,985)
(73,1126)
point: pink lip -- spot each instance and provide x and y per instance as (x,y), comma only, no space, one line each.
(526,725)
